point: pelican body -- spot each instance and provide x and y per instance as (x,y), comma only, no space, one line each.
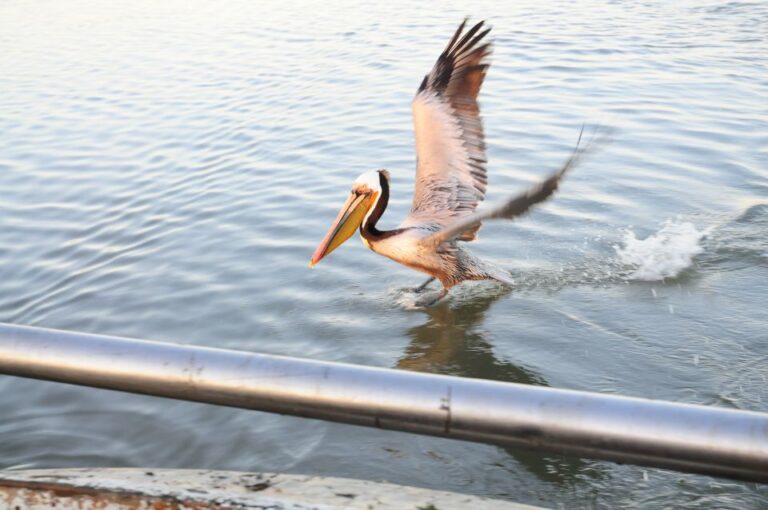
(450,178)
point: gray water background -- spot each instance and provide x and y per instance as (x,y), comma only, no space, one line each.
(167,169)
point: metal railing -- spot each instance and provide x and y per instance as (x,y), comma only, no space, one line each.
(691,438)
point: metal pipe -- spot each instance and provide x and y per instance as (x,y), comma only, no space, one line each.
(684,437)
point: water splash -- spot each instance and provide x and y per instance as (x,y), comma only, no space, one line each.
(664,254)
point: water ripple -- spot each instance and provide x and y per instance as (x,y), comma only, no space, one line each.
(167,170)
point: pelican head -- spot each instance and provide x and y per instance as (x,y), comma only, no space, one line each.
(364,195)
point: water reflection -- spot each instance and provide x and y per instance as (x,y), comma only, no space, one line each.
(451,342)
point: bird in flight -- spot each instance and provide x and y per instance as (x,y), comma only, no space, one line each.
(450,178)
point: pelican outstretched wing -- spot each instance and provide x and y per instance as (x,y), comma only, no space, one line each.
(450,146)
(518,205)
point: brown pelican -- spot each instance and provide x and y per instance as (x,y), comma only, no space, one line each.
(450,178)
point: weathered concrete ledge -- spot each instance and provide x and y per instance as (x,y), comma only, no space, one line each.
(176,489)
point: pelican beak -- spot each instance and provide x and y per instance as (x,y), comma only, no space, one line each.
(348,220)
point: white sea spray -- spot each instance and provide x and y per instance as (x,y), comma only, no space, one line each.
(664,254)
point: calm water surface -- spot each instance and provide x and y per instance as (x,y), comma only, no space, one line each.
(168,168)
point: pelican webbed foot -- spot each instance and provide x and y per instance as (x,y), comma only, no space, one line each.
(431,300)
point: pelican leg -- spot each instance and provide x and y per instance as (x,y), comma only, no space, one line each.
(424,285)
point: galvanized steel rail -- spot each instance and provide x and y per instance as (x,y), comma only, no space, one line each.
(691,438)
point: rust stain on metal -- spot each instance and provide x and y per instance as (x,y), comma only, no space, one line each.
(48,495)
(123,489)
